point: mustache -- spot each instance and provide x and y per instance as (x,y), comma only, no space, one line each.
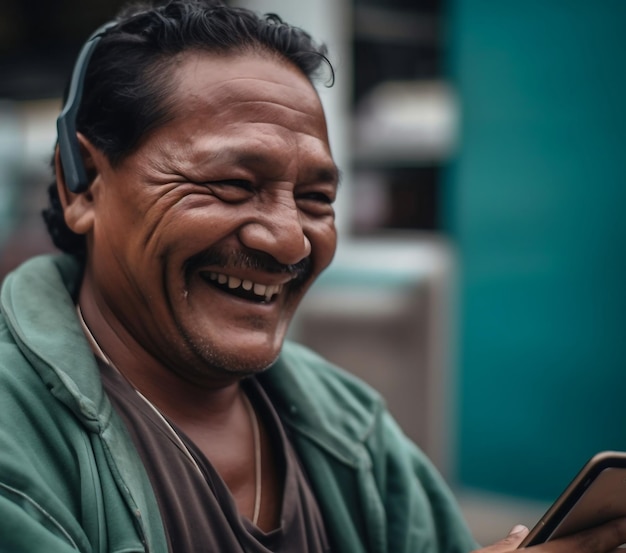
(252,260)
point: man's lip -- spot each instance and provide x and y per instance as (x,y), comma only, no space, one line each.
(256,267)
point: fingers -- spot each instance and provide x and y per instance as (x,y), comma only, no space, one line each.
(510,543)
(602,539)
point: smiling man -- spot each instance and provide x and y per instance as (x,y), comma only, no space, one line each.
(204,238)
(148,399)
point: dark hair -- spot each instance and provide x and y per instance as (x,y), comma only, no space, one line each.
(127,82)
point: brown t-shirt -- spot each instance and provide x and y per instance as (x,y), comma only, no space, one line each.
(198,510)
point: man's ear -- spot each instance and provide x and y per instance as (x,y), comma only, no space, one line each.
(78,207)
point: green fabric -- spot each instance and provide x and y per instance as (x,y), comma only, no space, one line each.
(71,480)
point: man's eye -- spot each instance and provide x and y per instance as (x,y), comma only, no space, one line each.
(237,183)
(318,197)
(229,190)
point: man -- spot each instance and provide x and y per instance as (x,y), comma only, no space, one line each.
(147,398)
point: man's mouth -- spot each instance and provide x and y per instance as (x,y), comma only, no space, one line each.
(245,289)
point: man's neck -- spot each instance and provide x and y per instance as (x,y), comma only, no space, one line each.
(180,399)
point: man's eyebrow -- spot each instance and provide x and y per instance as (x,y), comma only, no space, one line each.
(330,173)
(245,158)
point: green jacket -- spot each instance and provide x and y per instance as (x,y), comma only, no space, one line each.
(71,480)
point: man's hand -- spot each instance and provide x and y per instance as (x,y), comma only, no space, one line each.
(603,539)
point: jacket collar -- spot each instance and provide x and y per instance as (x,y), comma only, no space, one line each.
(37,300)
(320,403)
(323,404)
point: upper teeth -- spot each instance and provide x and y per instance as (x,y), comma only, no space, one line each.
(262,290)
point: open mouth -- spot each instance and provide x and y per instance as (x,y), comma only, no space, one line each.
(244,289)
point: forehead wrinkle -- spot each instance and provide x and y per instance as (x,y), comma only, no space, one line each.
(256,92)
(293,115)
(241,87)
(255,125)
(290,118)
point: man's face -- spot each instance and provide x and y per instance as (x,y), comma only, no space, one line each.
(205,239)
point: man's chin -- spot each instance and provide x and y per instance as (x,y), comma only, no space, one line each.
(238,366)
(233,354)
(245,370)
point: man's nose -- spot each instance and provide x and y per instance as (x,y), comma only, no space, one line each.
(277,230)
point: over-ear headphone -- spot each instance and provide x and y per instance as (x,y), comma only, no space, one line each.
(69,148)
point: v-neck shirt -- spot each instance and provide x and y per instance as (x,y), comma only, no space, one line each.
(198,511)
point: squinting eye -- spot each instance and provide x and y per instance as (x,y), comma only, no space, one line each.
(237,183)
(318,197)
(230,190)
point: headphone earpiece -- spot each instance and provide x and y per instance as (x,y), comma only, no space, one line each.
(69,148)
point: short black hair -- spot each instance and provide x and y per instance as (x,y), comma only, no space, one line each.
(128,80)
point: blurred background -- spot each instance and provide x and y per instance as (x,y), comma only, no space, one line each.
(479,283)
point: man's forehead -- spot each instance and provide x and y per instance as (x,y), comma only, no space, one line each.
(240,74)
(232,88)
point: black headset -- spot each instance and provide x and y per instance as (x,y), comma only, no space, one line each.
(69,148)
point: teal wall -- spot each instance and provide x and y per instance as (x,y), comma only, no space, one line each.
(536,202)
